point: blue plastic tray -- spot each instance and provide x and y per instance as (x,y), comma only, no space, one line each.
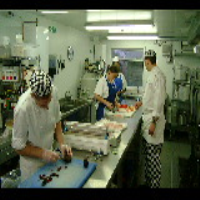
(74,176)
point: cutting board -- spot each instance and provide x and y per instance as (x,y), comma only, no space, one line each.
(71,175)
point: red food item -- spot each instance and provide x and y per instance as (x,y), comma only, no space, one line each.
(124,106)
(48,179)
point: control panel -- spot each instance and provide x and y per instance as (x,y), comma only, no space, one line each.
(10,74)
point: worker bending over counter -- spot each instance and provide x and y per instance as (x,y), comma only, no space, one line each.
(105,92)
(120,81)
(36,118)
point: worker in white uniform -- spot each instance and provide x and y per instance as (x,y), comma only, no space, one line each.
(105,92)
(120,80)
(37,119)
(153,119)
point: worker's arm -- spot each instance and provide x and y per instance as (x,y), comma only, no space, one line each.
(31,151)
(65,149)
(102,100)
(117,104)
(59,133)
(159,100)
(21,143)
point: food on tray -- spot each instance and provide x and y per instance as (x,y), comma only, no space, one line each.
(118,115)
(124,106)
(114,126)
(132,108)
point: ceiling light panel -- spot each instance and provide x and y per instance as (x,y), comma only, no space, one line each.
(119,15)
(54,12)
(134,29)
(130,37)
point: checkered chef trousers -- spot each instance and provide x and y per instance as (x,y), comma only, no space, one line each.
(152,164)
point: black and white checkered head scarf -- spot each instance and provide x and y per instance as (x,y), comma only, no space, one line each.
(40,83)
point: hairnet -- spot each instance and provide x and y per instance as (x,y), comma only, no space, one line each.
(150,53)
(115,59)
(40,83)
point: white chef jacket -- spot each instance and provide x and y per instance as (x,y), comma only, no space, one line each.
(35,125)
(153,105)
(102,89)
(124,82)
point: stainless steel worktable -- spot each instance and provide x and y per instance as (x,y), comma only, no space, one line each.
(107,167)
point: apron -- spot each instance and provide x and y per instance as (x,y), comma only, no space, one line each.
(158,136)
(119,84)
(111,98)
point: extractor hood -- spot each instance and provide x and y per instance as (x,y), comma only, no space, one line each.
(194,32)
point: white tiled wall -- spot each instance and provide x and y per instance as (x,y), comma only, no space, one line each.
(68,78)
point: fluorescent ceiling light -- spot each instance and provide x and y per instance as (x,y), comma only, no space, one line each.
(99,10)
(118,27)
(54,12)
(135,29)
(104,15)
(131,37)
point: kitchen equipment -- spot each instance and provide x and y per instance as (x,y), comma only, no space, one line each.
(11,179)
(6,150)
(184,92)
(168,114)
(70,175)
(180,72)
(88,83)
(175,104)
(182,119)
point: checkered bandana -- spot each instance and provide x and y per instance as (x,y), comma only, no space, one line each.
(40,83)
(150,53)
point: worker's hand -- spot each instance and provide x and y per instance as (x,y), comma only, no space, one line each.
(109,105)
(152,129)
(66,151)
(117,104)
(50,156)
(138,104)
(118,93)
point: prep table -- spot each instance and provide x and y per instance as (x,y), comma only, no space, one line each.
(108,166)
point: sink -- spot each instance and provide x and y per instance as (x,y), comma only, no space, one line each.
(67,105)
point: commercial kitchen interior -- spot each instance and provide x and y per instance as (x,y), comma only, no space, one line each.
(75,47)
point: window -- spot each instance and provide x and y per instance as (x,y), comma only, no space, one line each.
(132,64)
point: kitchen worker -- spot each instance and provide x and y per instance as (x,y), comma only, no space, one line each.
(105,92)
(120,80)
(153,119)
(37,119)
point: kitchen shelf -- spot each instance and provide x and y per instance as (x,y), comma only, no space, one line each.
(181,82)
(185,54)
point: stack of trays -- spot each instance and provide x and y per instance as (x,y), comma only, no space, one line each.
(88,137)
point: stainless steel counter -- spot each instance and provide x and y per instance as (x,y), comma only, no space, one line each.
(107,168)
